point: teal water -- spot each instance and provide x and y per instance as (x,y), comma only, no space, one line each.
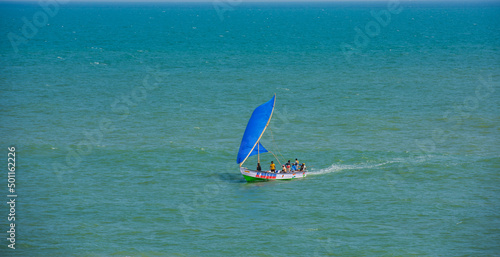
(127,119)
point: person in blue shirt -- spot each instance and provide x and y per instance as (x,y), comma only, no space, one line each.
(294,167)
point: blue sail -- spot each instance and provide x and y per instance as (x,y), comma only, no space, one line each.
(259,148)
(255,128)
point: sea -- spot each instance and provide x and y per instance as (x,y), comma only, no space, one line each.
(125,120)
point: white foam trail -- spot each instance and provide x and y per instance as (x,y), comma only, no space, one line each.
(340,167)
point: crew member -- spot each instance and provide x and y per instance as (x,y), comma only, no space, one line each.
(272,167)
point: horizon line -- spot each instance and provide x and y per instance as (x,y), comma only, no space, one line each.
(255,1)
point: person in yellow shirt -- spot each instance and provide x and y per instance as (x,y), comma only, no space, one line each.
(272,167)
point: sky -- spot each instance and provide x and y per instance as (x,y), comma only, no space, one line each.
(237,1)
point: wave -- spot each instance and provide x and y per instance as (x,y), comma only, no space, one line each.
(340,167)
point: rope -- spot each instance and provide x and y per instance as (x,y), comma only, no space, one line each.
(276,146)
(275,157)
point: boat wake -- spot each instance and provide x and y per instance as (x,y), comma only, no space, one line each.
(341,167)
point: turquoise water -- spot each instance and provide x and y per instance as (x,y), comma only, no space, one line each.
(127,119)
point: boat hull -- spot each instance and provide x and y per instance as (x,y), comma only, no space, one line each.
(255,176)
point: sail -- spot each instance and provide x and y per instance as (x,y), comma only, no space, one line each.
(259,148)
(254,131)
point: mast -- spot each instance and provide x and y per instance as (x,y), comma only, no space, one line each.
(258,153)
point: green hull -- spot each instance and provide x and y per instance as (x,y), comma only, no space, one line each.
(252,179)
(254,176)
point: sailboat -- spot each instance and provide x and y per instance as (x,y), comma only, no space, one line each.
(250,145)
